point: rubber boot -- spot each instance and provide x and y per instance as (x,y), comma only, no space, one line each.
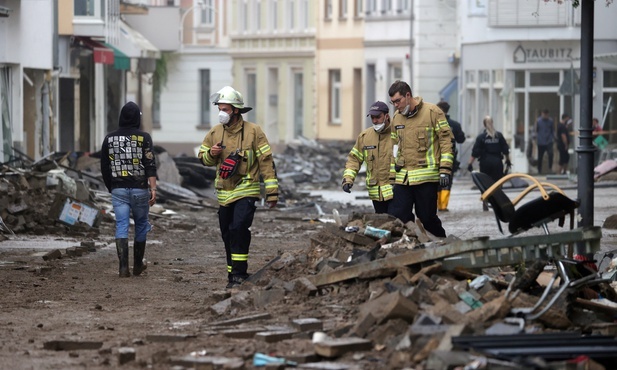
(139,249)
(122,247)
(443,198)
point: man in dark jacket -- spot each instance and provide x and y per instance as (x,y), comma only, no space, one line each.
(129,171)
(443,193)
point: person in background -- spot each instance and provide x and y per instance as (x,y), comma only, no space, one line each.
(424,158)
(545,130)
(128,167)
(443,193)
(595,125)
(241,153)
(563,143)
(490,148)
(374,147)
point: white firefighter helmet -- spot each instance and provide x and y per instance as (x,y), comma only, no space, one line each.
(229,95)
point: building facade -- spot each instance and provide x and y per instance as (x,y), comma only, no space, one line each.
(518,58)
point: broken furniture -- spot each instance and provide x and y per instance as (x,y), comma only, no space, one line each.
(535,213)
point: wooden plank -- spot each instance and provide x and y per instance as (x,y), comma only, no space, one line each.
(406,259)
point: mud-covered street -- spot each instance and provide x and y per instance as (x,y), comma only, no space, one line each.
(170,313)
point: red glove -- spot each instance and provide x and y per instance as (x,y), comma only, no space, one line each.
(228,167)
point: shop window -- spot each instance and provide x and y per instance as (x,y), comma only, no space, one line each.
(519,79)
(88,8)
(610,78)
(544,78)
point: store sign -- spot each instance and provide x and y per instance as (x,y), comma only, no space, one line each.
(542,54)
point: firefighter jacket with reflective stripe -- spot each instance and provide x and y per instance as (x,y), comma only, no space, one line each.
(424,144)
(251,143)
(374,149)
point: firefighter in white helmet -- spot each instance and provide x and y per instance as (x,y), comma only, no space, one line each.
(241,153)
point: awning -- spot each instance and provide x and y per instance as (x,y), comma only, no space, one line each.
(447,90)
(607,58)
(121,61)
(135,45)
(100,53)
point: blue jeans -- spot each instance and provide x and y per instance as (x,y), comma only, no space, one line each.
(126,200)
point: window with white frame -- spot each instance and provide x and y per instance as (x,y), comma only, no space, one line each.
(328,9)
(335,96)
(244,16)
(258,15)
(88,8)
(508,13)
(342,11)
(298,102)
(304,15)
(371,6)
(251,93)
(274,15)
(291,15)
(204,94)
(395,72)
(207,13)
(359,8)
(386,6)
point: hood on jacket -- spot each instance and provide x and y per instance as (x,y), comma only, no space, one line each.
(130,115)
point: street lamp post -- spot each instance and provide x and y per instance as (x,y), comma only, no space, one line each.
(199,4)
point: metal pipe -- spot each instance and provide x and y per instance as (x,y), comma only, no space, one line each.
(45,125)
(586,149)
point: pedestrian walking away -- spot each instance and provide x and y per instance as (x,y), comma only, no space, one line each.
(241,153)
(443,193)
(424,157)
(128,167)
(545,131)
(563,142)
(490,148)
(374,147)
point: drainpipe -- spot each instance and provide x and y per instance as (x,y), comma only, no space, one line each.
(586,149)
(411,42)
(45,125)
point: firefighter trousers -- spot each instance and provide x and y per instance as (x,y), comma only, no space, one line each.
(235,220)
(422,197)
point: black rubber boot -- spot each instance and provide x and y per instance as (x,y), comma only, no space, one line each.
(139,249)
(122,247)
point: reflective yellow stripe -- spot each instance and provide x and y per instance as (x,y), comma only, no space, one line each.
(271,183)
(383,192)
(349,173)
(228,268)
(239,257)
(415,176)
(356,153)
(263,150)
(245,189)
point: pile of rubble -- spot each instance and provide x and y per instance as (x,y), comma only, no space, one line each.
(388,295)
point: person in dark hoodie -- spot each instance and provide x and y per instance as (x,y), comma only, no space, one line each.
(129,171)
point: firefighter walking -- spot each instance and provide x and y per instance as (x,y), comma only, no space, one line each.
(241,153)
(374,147)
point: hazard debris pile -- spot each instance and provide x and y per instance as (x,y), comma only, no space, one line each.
(377,294)
(310,164)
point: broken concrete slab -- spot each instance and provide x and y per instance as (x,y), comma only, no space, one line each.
(168,338)
(242,333)
(208,362)
(52,255)
(274,336)
(242,319)
(125,355)
(307,324)
(264,298)
(336,347)
(71,345)
(389,306)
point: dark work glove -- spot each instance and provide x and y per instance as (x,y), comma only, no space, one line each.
(444,180)
(508,163)
(470,167)
(347,187)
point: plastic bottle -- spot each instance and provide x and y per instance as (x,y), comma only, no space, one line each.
(377,233)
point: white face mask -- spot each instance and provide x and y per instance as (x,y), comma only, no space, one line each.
(405,110)
(224,117)
(379,127)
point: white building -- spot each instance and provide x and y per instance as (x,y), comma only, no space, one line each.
(26,58)
(515,56)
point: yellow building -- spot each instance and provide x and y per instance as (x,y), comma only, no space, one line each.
(340,62)
(272,44)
